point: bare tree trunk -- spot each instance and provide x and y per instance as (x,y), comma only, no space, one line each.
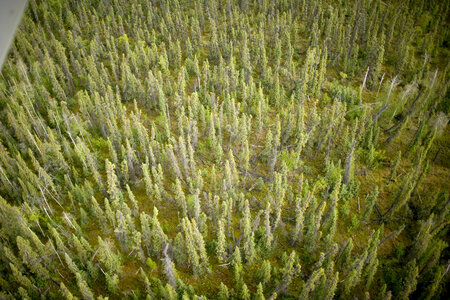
(348,164)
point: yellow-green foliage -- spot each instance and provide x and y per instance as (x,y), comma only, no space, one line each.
(244,149)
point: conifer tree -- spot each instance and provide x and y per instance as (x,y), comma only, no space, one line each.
(110,260)
(288,272)
(66,292)
(311,283)
(109,213)
(133,201)
(84,288)
(259,292)
(299,217)
(236,263)
(136,241)
(394,166)
(249,248)
(31,258)
(180,197)
(354,272)
(70,264)
(169,269)
(434,285)
(331,218)
(221,242)
(223,293)
(168,292)
(112,283)
(20,278)
(113,185)
(147,180)
(422,239)
(245,293)
(264,272)
(207,111)
(268,237)
(345,253)
(410,279)
(370,203)
(403,195)
(157,235)
(377,57)
(192,254)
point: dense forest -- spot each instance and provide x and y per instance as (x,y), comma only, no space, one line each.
(252,149)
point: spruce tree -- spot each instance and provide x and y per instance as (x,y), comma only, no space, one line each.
(310,284)
(410,280)
(223,293)
(394,166)
(264,272)
(259,292)
(221,243)
(370,203)
(84,288)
